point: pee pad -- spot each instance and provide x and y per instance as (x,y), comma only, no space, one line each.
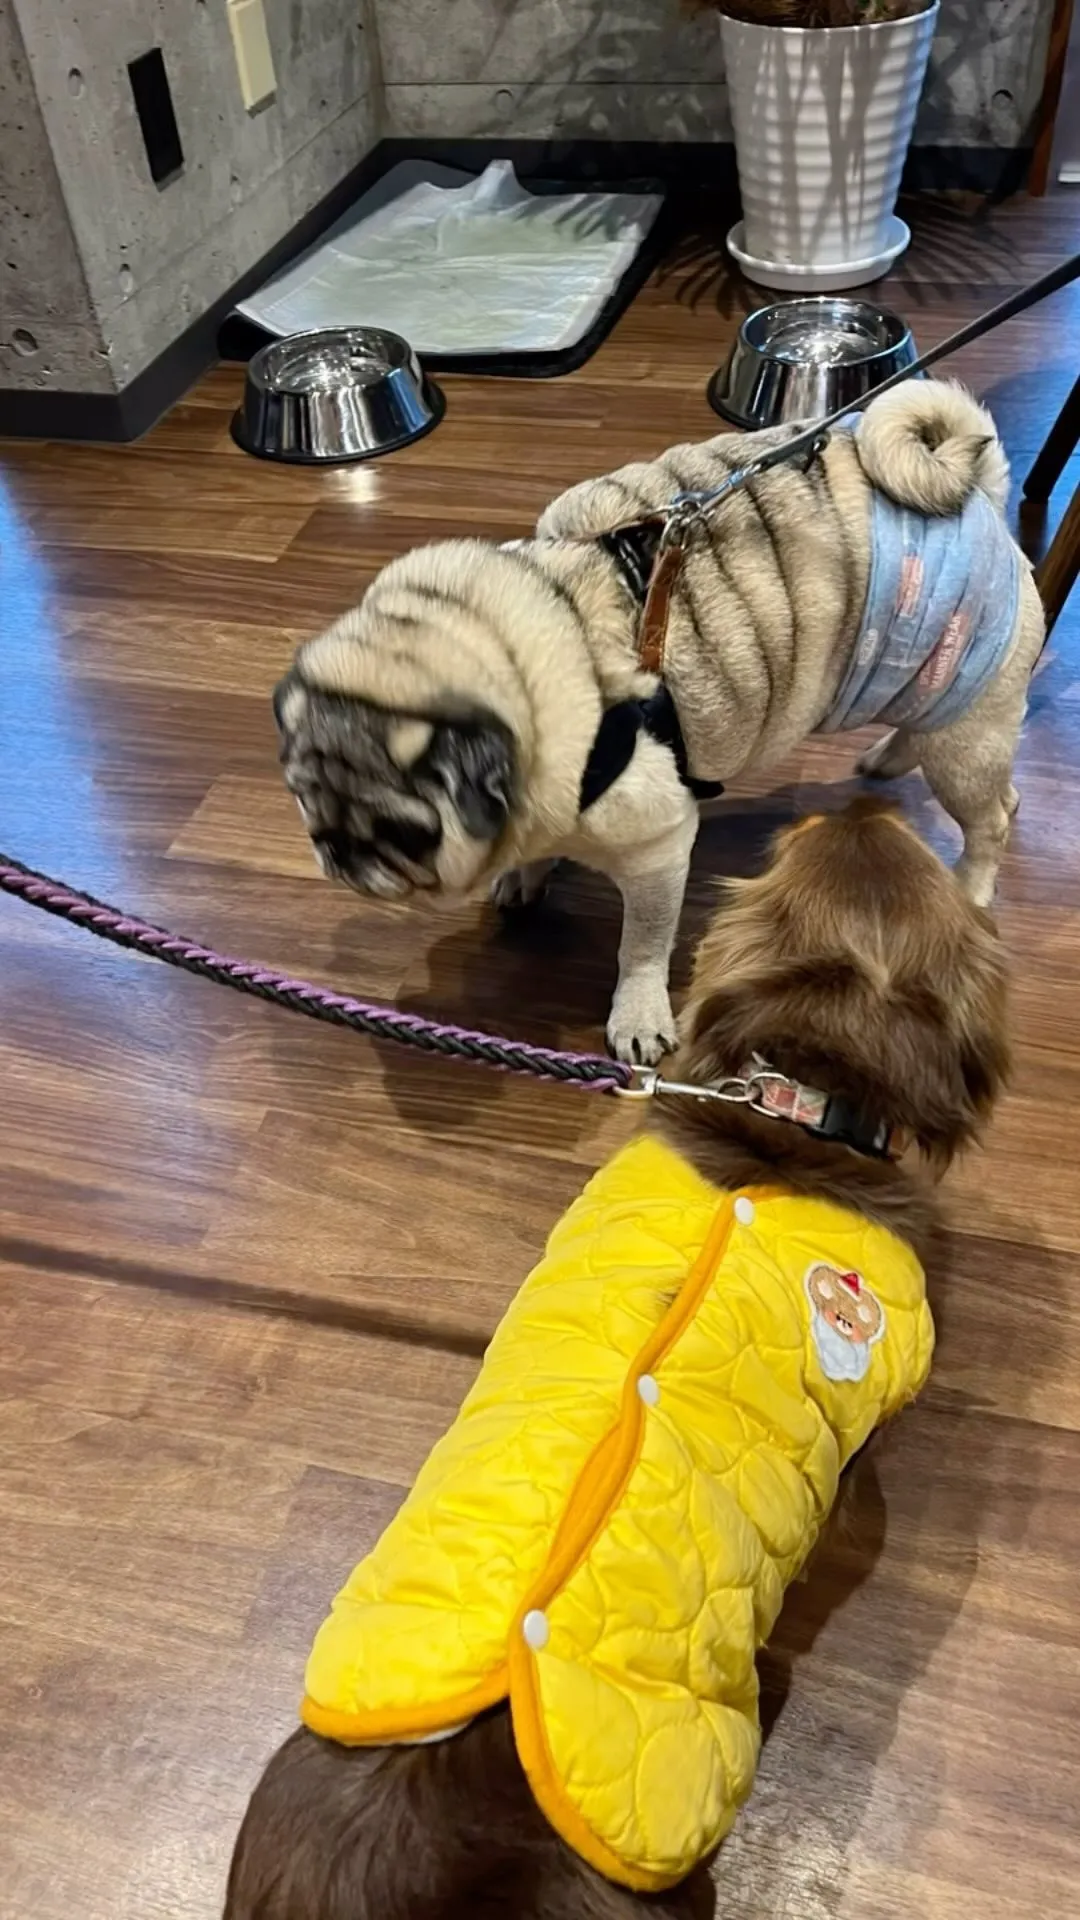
(463,266)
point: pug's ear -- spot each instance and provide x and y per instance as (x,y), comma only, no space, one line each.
(477,762)
(289,702)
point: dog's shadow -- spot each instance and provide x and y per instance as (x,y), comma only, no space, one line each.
(847,1551)
(856,1634)
(546,973)
(542,974)
(860,1680)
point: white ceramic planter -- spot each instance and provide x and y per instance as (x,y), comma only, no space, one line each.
(823,118)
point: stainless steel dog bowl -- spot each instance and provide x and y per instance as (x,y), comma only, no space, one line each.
(802,359)
(344,393)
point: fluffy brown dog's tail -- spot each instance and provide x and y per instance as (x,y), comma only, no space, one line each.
(928,445)
(443,1832)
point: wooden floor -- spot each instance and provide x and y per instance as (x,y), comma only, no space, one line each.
(250,1262)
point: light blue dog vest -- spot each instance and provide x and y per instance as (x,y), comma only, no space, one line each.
(940,613)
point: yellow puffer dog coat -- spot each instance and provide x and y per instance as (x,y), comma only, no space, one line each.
(605,1533)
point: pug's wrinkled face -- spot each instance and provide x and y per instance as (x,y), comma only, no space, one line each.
(395,801)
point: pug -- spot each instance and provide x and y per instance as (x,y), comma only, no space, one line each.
(490,709)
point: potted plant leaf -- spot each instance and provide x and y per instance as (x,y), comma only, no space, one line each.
(823,98)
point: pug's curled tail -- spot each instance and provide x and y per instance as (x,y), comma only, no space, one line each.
(928,445)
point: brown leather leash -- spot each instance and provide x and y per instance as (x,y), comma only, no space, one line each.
(652,632)
(680,521)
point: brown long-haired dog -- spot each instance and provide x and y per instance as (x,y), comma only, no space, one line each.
(855,965)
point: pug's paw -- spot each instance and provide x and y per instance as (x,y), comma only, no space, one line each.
(642,1026)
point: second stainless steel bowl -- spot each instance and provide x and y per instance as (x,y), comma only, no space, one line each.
(345,393)
(802,359)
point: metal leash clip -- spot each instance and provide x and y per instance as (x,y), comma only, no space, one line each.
(741,1090)
(686,510)
(684,513)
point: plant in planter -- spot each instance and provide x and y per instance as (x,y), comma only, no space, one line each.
(823,98)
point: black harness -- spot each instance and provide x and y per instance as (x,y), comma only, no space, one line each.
(634,551)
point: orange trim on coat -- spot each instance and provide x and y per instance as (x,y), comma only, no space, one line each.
(601,1485)
(375,1729)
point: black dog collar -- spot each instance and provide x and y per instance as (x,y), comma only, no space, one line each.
(776,1096)
(826,1115)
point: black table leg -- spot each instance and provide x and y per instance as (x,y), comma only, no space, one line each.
(1060,443)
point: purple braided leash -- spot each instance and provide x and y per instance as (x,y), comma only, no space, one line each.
(303,996)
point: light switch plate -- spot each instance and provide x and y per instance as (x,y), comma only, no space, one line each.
(254,60)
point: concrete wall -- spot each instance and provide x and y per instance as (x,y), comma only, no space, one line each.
(101,270)
(154,258)
(49,334)
(637,70)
